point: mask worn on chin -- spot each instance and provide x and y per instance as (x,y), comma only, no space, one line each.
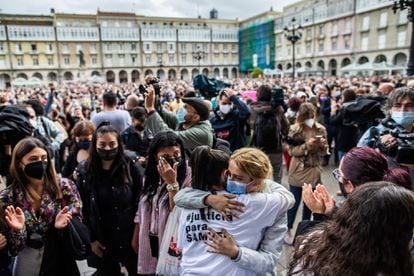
(310,122)
(172,161)
(225,108)
(107,155)
(35,170)
(235,187)
(403,118)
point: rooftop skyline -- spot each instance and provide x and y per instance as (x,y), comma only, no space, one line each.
(229,9)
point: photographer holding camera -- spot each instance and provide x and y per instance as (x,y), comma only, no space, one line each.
(195,131)
(394,137)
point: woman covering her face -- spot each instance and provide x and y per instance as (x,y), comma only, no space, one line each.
(166,173)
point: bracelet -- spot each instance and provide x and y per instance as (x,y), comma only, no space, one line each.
(173,187)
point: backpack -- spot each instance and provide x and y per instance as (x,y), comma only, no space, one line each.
(267,133)
(221,144)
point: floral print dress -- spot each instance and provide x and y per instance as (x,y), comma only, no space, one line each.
(40,221)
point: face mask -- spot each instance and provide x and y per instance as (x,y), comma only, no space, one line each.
(107,155)
(33,122)
(310,122)
(342,188)
(172,161)
(337,94)
(139,127)
(235,187)
(225,108)
(403,118)
(181,115)
(84,144)
(323,99)
(35,170)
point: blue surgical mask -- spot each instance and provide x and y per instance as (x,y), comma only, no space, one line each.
(403,118)
(235,187)
(181,114)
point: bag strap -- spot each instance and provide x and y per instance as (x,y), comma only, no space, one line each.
(47,131)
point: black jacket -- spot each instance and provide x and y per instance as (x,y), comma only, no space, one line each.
(137,142)
(120,208)
(347,135)
(231,126)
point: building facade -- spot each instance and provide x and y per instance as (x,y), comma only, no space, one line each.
(124,47)
(118,47)
(257,42)
(338,33)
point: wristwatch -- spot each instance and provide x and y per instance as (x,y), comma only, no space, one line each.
(173,187)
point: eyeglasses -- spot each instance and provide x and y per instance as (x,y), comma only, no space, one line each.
(336,174)
(340,178)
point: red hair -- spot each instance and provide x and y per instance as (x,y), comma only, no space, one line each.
(363,164)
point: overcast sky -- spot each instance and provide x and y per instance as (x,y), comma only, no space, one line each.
(228,9)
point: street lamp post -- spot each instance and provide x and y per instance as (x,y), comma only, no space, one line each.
(199,54)
(160,64)
(293,34)
(409,5)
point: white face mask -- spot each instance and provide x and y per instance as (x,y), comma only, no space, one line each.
(225,108)
(310,122)
(33,122)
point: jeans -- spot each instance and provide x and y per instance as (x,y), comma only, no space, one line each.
(306,214)
(341,154)
(276,159)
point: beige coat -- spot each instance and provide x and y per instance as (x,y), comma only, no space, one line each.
(305,165)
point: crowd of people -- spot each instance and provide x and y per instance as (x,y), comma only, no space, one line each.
(163,178)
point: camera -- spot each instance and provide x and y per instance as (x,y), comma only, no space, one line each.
(403,150)
(277,97)
(154,82)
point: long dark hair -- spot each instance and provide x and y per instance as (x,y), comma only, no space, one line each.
(207,166)
(94,162)
(3,225)
(20,179)
(162,140)
(361,237)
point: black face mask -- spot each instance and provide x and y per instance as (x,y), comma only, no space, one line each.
(139,127)
(172,161)
(35,170)
(107,155)
(342,188)
(84,144)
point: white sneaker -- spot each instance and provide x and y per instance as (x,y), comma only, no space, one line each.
(288,238)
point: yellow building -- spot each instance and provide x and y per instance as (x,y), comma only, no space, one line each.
(118,47)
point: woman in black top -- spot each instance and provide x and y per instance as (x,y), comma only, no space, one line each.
(81,138)
(109,185)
